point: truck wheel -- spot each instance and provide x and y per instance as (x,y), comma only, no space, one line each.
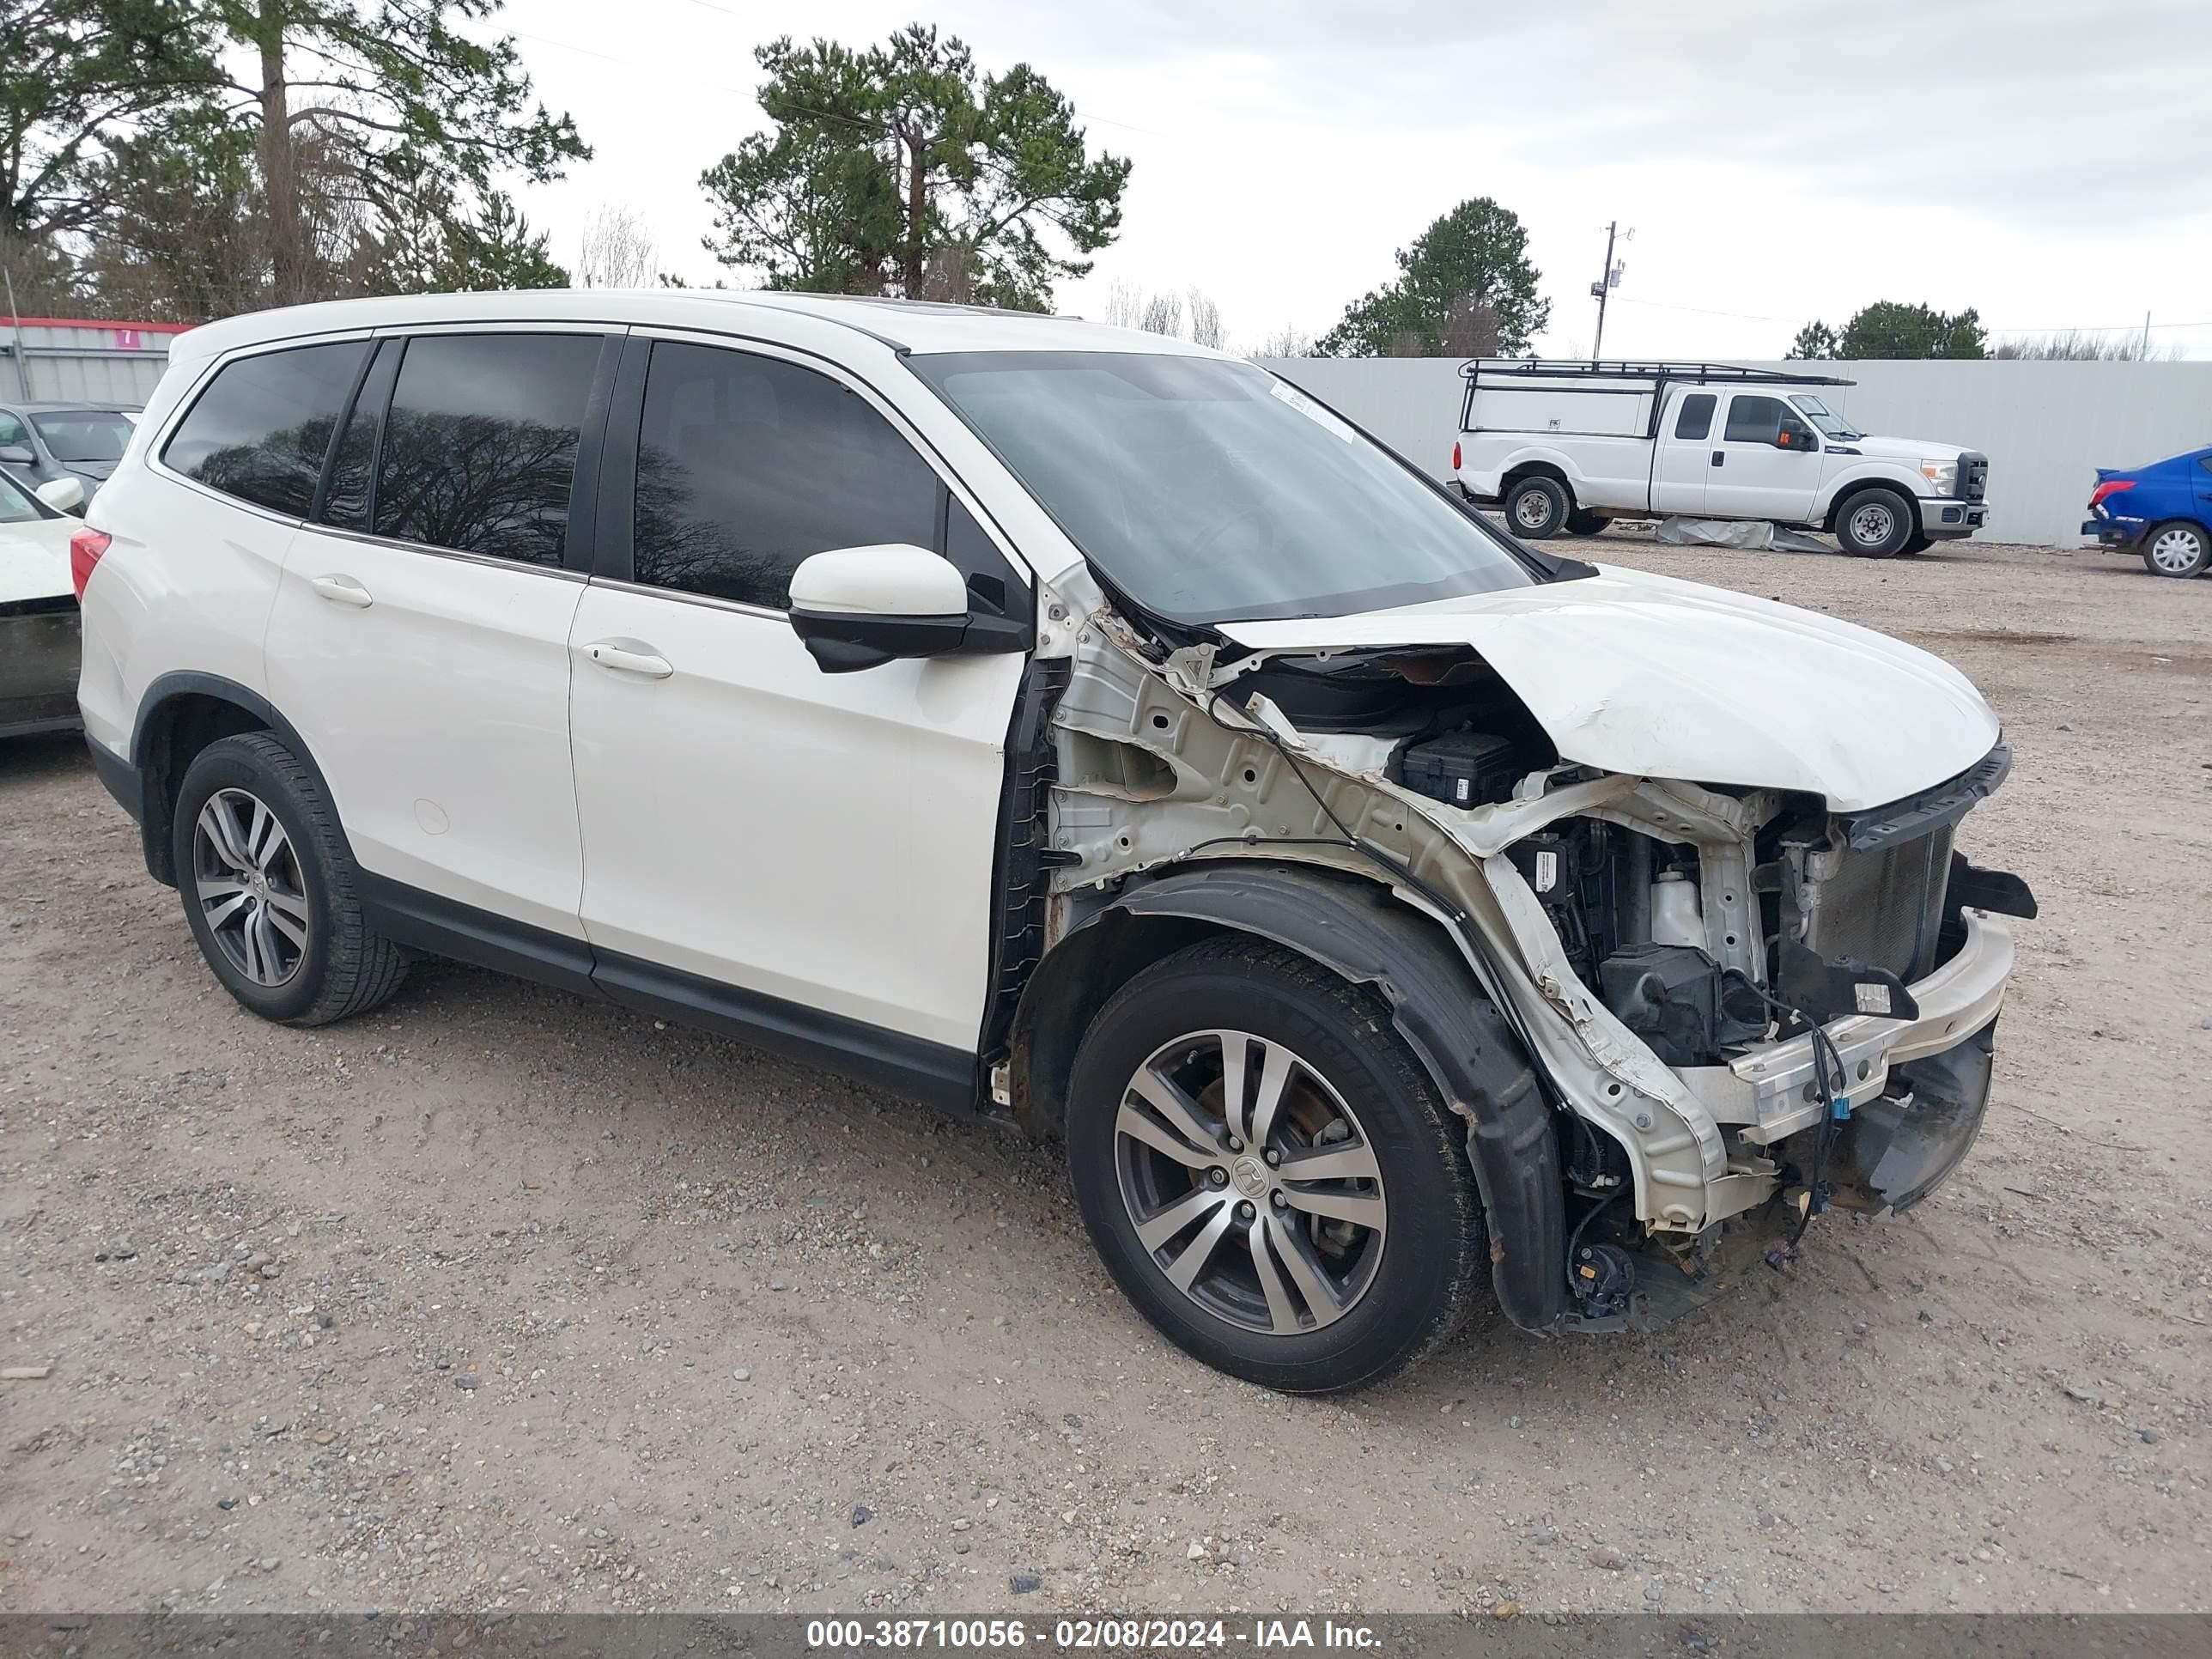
(2176,550)
(1583,522)
(1537,507)
(1267,1172)
(1875,523)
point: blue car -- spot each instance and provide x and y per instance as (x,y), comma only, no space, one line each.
(2163,510)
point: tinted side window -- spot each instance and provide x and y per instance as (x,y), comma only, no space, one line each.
(747,464)
(11,430)
(479,449)
(260,430)
(1754,420)
(1696,419)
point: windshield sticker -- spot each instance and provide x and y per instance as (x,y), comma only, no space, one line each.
(1312,410)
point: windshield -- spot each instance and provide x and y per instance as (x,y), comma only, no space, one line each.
(1831,424)
(1211,491)
(16,506)
(84,434)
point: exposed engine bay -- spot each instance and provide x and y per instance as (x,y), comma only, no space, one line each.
(1739,1001)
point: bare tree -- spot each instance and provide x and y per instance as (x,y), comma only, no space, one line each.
(949,275)
(1163,314)
(616,251)
(1285,342)
(1125,304)
(2072,345)
(1471,327)
(1205,320)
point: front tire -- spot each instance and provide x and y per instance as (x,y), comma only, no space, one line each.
(1267,1172)
(2177,550)
(1876,524)
(271,891)
(1538,507)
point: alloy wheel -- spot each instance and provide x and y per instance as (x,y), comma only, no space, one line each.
(247,883)
(2178,551)
(1250,1183)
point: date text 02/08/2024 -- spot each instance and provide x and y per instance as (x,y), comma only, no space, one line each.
(1075,1635)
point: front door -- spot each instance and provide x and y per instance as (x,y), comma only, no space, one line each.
(420,638)
(1752,476)
(811,851)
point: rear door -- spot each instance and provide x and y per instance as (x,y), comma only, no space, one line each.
(1679,469)
(1751,475)
(807,852)
(420,640)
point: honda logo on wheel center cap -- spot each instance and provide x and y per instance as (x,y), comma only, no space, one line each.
(1249,1177)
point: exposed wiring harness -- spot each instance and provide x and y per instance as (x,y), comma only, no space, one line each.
(1832,1083)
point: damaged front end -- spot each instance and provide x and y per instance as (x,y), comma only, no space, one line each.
(1742,1004)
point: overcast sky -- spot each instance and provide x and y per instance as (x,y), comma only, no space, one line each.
(2048,162)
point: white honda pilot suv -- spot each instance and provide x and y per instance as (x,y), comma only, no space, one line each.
(1070,725)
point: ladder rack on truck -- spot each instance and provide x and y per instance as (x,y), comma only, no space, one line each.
(1607,379)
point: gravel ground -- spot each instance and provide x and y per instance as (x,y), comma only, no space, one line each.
(497,1299)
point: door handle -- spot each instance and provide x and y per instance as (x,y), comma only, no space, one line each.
(630,657)
(342,590)
(1719,457)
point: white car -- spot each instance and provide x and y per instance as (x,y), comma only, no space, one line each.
(1073,725)
(1571,446)
(38,607)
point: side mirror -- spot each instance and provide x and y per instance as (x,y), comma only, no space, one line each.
(17,455)
(1793,436)
(64,495)
(861,607)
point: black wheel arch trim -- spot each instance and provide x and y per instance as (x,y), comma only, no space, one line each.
(1354,928)
(145,767)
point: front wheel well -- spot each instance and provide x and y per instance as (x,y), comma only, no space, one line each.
(1075,981)
(1858,486)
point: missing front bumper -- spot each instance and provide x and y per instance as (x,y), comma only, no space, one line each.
(1772,1093)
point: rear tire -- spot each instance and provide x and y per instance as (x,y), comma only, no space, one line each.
(1311,1286)
(1583,522)
(270,892)
(2179,550)
(1876,524)
(1537,507)
(1917,543)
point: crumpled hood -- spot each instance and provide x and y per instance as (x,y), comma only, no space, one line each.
(1658,678)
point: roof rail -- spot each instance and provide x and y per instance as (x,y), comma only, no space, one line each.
(1535,368)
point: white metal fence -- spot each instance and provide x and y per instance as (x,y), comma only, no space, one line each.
(2044,426)
(72,361)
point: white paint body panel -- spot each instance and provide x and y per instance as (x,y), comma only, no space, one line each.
(1658,678)
(450,688)
(827,838)
(34,563)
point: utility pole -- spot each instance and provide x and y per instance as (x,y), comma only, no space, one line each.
(1609,278)
(2146,350)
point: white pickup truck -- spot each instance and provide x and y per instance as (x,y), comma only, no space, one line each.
(1572,445)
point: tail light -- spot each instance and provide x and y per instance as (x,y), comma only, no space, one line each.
(85,549)
(2111,487)
(1454,458)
